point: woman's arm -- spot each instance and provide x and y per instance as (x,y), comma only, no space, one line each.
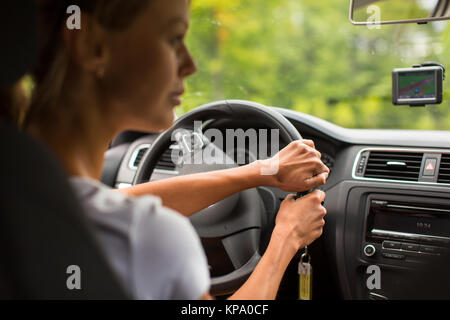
(299,168)
(299,223)
(192,193)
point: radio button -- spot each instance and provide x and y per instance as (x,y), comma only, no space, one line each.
(430,250)
(410,247)
(393,255)
(392,245)
(369,250)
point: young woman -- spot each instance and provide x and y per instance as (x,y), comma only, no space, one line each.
(125,70)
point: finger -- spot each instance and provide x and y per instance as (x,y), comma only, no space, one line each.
(290,197)
(308,146)
(317,180)
(317,153)
(320,168)
(319,225)
(314,151)
(320,194)
(309,143)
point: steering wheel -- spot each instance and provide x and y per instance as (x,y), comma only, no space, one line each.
(229,229)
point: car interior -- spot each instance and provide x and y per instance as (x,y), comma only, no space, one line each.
(387,195)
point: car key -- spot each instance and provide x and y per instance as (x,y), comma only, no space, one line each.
(305,276)
(305,268)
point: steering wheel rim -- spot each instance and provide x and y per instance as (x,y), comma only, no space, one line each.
(223,284)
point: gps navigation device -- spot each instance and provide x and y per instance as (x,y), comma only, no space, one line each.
(417,86)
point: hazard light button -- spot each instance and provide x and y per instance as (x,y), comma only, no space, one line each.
(430,167)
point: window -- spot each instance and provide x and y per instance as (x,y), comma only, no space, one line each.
(306,55)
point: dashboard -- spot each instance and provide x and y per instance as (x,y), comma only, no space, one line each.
(388,204)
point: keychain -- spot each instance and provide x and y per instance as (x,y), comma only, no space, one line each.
(305,277)
(304,266)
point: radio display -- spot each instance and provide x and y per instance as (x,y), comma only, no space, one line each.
(425,224)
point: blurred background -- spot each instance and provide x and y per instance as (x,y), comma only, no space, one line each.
(305,55)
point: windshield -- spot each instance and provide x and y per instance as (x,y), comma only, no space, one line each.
(306,56)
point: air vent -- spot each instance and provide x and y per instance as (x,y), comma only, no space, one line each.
(164,163)
(393,165)
(444,170)
(139,156)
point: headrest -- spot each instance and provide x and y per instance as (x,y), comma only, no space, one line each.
(18,47)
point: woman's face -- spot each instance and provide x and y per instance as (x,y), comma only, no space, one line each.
(144,78)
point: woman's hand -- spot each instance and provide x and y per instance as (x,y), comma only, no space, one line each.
(296,168)
(300,222)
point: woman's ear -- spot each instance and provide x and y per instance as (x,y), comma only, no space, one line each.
(88,47)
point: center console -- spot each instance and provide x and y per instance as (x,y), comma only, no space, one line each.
(405,235)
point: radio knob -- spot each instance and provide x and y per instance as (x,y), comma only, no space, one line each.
(369,250)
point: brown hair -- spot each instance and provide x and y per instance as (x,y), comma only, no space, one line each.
(53,61)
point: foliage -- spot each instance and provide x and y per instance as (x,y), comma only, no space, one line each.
(305,55)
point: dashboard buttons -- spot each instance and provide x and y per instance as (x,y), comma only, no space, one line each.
(407,247)
(430,249)
(392,245)
(369,250)
(393,255)
(410,247)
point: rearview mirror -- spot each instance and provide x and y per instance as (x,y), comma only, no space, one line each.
(377,12)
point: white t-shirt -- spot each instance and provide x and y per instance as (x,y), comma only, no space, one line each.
(154,250)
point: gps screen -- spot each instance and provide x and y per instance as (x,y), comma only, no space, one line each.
(417,85)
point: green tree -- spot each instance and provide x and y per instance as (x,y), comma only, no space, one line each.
(306,55)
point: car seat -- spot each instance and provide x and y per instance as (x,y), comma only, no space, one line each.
(43,230)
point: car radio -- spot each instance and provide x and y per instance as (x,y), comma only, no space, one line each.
(406,239)
(405,229)
(424,225)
